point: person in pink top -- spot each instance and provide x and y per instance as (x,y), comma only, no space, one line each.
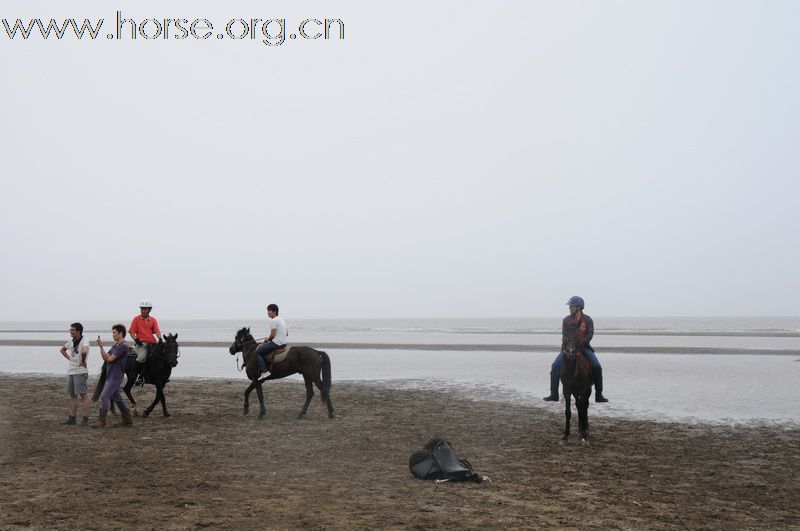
(146,334)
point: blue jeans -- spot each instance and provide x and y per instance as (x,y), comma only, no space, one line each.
(111,392)
(263,349)
(555,368)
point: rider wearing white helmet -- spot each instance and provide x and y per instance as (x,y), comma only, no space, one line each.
(145,333)
(581,324)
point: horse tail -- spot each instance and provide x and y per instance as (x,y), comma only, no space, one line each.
(326,374)
(100,384)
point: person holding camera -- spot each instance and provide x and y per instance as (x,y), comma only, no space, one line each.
(115,373)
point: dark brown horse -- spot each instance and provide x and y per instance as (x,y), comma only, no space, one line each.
(157,371)
(314,365)
(576,377)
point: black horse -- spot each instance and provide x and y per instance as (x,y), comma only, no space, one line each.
(157,371)
(314,365)
(576,377)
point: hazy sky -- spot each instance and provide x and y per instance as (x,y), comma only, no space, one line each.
(446,159)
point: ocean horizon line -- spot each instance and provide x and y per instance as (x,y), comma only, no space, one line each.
(557,317)
(462,347)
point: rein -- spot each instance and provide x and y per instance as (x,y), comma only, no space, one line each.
(240,369)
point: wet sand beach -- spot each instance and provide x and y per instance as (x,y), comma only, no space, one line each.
(209,466)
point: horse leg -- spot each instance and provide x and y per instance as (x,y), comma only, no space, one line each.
(567,415)
(260,392)
(309,395)
(326,395)
(128,386)
(247,392)
(583,417)
(156,400)
(160,390)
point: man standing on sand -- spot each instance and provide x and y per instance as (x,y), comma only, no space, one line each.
(76,350)
(582,325)
(275,340)
(115,373)
(145,333)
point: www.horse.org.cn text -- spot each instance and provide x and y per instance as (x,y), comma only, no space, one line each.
(268,31)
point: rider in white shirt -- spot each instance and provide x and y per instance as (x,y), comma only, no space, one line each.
(275,340)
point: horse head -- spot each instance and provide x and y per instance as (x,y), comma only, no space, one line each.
(572,347)
(242,336)
(170,350)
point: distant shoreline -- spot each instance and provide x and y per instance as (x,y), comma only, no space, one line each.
(717,333)
(461,347)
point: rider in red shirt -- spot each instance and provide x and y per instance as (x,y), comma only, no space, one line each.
(145,333)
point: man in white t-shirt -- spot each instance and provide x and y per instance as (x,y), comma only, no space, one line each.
(275,339)
(76,350)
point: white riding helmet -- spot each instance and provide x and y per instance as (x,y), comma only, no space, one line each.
(146,304)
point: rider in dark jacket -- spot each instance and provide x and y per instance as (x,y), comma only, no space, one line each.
(581,325)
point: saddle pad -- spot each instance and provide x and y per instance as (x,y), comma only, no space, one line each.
(281,355)
(141,353)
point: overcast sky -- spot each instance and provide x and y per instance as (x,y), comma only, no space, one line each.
(446,159)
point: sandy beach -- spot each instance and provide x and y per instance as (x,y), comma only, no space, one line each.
(208,466)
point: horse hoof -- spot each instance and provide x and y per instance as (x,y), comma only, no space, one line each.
(245,413)
(146,414)
(167,415)
(331,416)
(563,442)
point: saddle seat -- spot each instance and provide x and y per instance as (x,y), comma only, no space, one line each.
(279,354)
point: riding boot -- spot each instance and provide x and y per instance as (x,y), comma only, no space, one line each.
(101,419)
(126,419)
(70,421)
(598,387)
(553,397)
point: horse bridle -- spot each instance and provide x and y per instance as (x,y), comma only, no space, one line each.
(572,353)
(177,353)
(238,344)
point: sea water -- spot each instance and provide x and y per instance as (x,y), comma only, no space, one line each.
(755,386)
